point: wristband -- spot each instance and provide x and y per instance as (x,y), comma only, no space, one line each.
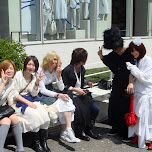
(57,95)
(36,84)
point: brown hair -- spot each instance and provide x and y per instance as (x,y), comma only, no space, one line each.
(5,65)
(79,55)
(141,49)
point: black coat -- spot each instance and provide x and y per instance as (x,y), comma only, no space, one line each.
(69,78)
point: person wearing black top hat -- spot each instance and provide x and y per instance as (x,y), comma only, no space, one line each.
(119,101)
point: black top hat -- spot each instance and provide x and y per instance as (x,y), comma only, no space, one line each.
(112,39)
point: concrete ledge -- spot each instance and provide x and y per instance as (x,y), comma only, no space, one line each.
(101,97)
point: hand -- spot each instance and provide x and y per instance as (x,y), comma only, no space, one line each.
(128,65)
(5,78)
(90,84)
(80,91)
(40,77)
(58,72)
(64,97)
(32,105)
(130,88)
(100,53)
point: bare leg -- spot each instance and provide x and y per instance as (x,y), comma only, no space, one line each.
(105,17)
(67,116)
(67,132)
(86,11)
(101,16)
(57,32)
(73,18)
(64,28)
(78,18)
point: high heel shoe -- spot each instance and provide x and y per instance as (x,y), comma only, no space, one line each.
(150,147)
(134,140)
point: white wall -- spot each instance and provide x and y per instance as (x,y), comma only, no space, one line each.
(65,50)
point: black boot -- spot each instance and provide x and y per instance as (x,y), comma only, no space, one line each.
(36,143)
(44,136)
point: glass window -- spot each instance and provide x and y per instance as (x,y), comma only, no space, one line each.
(74,19)
(104,14)
(30,20)
(142,18)
(114,13)
(4,20)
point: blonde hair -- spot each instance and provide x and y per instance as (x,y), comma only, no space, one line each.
(49,59)
(5,65)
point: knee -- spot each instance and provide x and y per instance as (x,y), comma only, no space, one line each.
(14,119)
(5,121)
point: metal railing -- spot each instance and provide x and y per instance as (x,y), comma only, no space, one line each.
(110,77)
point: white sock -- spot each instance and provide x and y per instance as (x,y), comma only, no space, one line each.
(68,129)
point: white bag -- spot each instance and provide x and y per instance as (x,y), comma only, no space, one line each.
(52,27)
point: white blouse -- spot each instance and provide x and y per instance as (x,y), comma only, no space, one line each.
(20,83)
(48,79)
(143,75)
(6,94)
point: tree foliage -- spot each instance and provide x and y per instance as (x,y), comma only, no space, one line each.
(14,51)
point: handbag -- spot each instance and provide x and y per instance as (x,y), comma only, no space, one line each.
(131,118)
(52,26)
(105,84)
(6,111)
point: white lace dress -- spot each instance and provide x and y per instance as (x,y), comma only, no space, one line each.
(32,119)
(142,100)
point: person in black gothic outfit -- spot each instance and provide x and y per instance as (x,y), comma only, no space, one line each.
(119,101)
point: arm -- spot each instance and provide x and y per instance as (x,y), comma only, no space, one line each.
(143,77)
(100,53)
(23,100)
(4,81)
(130,85)
(46,80)
(68,83)
(59,81)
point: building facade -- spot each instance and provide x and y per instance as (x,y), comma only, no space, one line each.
(79,23)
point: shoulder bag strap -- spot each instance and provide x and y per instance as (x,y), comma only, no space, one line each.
(26,85)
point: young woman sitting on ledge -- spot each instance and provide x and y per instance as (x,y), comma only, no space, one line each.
(7,72)
(51,67)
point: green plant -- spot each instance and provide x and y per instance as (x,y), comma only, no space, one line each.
(14,51)
(97,78)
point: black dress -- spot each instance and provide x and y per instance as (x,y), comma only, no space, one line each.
(119,102)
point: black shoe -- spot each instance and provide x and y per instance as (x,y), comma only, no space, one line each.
(91,134)
(45,147)
(83,137)
(113,132)
(126,139)
(36,142)
(44,136)
(37,147)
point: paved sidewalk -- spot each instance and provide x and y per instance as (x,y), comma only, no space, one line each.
(105,144)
